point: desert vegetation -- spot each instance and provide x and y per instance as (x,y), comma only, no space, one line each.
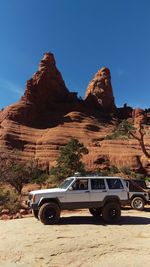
(125,130)
(69,160)
(14,175)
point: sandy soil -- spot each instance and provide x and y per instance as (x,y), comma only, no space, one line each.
(79,240)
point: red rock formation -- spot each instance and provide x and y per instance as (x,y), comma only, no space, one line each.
(99,93)
(48,115)
(124,112)
(46,86)
(139,116)
(44,91)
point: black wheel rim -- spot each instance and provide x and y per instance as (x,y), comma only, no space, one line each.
(113,213)
(50,214)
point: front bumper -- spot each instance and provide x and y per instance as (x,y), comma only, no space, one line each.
(31,205)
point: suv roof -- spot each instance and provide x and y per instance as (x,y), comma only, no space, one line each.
(96,177)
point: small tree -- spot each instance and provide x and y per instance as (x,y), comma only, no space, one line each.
(137,134)
(69,160)
(126,130)
(17,173)
(9,200)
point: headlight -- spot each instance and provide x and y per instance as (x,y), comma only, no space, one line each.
(33,198)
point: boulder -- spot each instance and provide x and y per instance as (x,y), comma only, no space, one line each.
(6,217)
(5,211)
(17,216)
(23,211)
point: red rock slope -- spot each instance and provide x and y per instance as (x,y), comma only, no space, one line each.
(48,115)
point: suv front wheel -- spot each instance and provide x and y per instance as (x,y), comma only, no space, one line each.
(137,203)
(35,213)
(111,212)
(49,213)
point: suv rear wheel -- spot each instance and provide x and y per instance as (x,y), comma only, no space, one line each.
(111,212)
(49,213)
(96,212)
(137,203)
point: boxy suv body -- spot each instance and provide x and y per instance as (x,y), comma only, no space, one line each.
(101,195)
(139,194)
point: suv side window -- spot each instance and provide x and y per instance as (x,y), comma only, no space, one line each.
(134,188)
(80,184)
(114,183)
(97,184)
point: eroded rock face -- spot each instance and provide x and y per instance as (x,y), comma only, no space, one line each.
(139,116)
(46,86)
(99,93)
(48,115)
(45,91)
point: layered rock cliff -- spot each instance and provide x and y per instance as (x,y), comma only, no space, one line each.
(48,114)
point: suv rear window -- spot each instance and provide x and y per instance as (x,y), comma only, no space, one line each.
(97,184)
(114,184)
(134,188)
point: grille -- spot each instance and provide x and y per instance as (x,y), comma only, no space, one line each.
(30,197)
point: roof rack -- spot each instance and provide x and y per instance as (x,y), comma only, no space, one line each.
(77,174)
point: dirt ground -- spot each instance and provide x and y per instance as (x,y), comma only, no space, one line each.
(78,240)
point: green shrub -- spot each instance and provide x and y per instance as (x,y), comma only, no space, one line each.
(69,160)
(113,169)
(16,173)
(104,172)
(126,170)
(138,176)
(9,200)
(39,177)
(116,135)
(4,197)
(122,131)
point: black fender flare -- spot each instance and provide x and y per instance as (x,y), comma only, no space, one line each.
(44,200)
(109,199)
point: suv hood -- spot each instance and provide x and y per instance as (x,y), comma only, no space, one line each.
(52,190)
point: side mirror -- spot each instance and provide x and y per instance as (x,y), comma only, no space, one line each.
(127,184)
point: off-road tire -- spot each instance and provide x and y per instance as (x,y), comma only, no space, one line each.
(138,203)
(49,213)
(96,212)
(36,214)
(111,212)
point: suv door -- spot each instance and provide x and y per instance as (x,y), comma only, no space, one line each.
(98,189)
(79,192)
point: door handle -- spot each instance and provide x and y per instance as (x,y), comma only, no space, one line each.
(87,191)
(104,190)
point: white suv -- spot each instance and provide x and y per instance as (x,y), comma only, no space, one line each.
(101,195)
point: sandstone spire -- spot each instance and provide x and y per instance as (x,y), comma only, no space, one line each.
(99,93)
(47,85)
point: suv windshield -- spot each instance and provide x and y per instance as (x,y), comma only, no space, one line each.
(66,183)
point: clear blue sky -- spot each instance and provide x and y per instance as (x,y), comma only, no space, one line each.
(84,35)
